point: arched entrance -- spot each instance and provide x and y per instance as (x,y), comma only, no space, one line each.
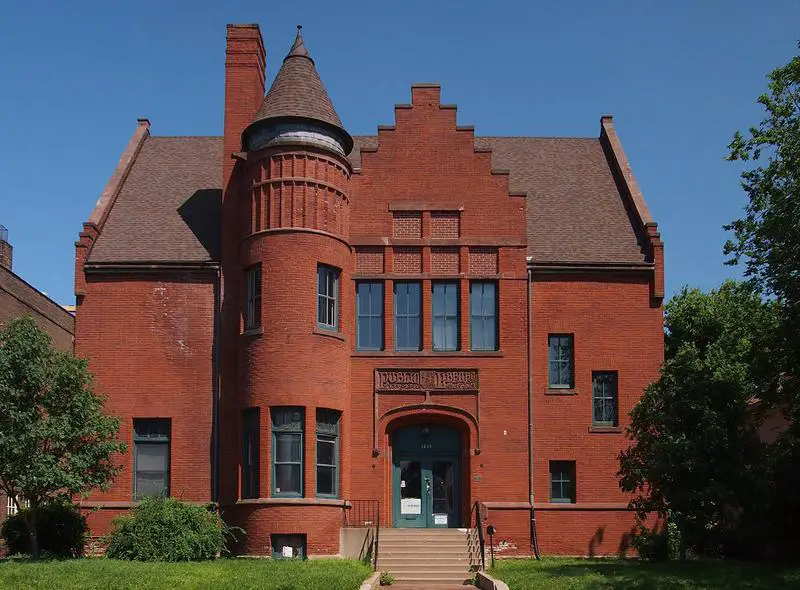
(426,477)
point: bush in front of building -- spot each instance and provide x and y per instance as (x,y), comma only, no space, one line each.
(60,528)
(166,529)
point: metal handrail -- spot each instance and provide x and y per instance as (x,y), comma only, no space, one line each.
(364,514)
(477,518)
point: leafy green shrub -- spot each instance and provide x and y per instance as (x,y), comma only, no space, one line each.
(386,579)
(61,530)
(165,529)
(655,543)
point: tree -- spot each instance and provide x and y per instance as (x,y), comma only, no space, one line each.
(55,441)
(695,456)
(767,238)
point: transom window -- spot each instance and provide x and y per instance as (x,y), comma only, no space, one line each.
(151,458)
(327,453)
(327,297)
(369,307)
(562,481)
(560,360)
(483,315)
(252,307)
(445,316)
(604,398)
(407,316)
(287,451)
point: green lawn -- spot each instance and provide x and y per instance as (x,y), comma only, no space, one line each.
(597,574)
(239,574)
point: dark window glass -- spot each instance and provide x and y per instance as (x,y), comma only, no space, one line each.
(150,457)
(287,451)
(288,546)
(327,297)
(560,360)
(250,454)
(604,398)
(562,481)
(252,307)
(369,308)
(327,453)
(445,316)
(407,316)
(483,315)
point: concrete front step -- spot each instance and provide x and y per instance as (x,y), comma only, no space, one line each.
(425,558)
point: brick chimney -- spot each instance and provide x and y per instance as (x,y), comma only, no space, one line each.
(5,249)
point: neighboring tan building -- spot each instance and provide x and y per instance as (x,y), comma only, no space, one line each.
(18,299)
(288,319)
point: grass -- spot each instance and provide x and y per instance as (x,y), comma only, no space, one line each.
(599,574)
(239,574)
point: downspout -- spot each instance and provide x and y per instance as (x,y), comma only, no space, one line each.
(215,384)
(529,315)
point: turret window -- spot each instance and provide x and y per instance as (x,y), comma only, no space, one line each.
(287,451)
(252,307)
(328,297)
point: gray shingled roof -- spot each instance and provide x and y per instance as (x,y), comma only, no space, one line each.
(168,208)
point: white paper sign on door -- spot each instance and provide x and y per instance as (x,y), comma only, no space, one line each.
(410,506)
(440,519)
(286,551)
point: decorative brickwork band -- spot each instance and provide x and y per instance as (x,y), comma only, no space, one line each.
(369,260)
(407,261)
(407,225)
(440,380)
(444,261)
(445,225)
(483,260)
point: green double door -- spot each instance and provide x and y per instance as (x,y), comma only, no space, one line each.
(426,478)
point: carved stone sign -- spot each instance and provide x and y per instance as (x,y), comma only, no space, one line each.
(426,380)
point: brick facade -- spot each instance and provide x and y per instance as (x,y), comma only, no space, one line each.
(168,339)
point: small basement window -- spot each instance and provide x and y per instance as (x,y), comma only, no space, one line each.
(288,546)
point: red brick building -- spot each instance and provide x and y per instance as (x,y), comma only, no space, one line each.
(288,318)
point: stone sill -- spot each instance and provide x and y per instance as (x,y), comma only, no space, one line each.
(328,333)
(605,429)
(253,332)
(561,391)
(428,353)
(293,502)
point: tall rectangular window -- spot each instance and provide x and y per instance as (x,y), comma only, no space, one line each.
(604,398)
(369,304)
(250,453)
(407,315)
(445,315)
(327,453)
(287,451)
(252,304)
(560,352)
(150,457)
(562,481)
(328,297)
(483,315)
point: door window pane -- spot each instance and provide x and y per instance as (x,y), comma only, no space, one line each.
(443,487)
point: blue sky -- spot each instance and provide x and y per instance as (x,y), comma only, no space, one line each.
(679,78)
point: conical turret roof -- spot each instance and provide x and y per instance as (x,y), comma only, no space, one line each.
(298,92)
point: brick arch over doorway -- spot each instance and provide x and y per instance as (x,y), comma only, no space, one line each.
(432,449)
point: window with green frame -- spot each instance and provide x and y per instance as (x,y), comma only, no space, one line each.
(250,453)
(560,355)
(328,453)
(444,315)
(327,297)
(483,333)
(562,482)
(287,451)
(151,457)
(604,398)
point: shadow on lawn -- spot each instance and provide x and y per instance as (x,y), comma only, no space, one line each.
(639,575)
